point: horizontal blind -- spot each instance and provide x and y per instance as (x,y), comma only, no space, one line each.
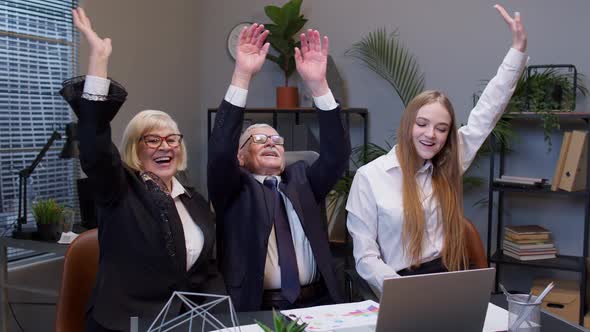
(38,51)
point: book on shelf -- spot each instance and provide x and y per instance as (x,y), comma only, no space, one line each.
(529,258)
(530,252)
(520,181)
(526,232)
(527,229)
(529,241)
(534,245)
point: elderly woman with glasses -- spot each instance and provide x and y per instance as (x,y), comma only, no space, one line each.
(156,235)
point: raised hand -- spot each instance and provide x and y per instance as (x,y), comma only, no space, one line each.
(100,49)
(250,54)
(519,38)
(311,61)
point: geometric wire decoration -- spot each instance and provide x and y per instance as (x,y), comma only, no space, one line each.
(197,315)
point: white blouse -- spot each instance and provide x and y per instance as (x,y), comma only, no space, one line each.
(375,206)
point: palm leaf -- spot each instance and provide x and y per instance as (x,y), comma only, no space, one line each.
(386,56)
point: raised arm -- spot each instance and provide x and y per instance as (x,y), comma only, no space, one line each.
(223,171)
(100,48)
(497,93)
(311,62)
(96,100)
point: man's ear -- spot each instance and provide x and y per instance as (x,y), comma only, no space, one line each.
(241,159)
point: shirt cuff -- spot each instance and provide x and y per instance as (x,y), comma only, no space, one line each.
(325,102)
(236,96)
(97,86)
(515,58)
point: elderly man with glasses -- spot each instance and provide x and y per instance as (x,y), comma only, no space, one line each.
(272,240)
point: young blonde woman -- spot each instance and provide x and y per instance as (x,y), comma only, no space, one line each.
(405,209)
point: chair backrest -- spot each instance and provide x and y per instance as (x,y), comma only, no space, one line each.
(79,277)
(477,254)
(293,156)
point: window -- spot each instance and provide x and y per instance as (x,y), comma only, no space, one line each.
(38,51)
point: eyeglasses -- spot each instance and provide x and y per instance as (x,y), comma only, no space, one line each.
(262,138)
(155,141)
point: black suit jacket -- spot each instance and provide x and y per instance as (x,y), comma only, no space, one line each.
(244,219)
(136,275)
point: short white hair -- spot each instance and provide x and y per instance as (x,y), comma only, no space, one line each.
(246,134)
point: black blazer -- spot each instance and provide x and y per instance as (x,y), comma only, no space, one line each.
(136,275)
(244,219)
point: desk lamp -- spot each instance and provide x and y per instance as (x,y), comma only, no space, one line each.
(23,176)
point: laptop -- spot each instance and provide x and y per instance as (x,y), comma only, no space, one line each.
(450,301)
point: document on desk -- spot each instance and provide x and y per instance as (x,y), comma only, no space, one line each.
(243,328)
(496,319)
(336,316)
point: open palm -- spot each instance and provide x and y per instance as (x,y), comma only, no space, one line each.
(312,59)
(251,49)
(519,37)
(98,46)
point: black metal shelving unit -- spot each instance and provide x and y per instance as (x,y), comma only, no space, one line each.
(561,262)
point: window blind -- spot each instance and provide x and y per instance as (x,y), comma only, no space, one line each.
(38,51)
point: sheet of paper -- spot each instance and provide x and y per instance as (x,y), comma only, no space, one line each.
(243,328)
(336,316)
(496,319)
(67,238)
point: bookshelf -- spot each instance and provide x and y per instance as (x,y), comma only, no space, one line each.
(497,196)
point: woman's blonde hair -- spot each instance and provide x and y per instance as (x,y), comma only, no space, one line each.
(141,124)
(446,183)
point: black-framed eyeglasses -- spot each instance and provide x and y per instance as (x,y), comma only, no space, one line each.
(155,141)
(262,138)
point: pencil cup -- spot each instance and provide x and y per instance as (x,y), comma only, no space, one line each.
(524,314)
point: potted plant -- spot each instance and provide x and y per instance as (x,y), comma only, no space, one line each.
(281,325)
(287,21)
(48,215)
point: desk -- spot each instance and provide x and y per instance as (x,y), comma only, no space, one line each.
(549,322)
(40,246)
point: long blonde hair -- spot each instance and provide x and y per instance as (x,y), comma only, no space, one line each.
(446,183)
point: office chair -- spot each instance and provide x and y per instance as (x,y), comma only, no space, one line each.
(478,258)
(355,284)
(79,277)
(293,156)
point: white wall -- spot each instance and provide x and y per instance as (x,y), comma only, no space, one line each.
(155,56)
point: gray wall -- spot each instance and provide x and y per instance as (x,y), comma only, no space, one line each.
(174,58)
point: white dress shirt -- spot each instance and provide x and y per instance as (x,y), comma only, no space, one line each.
(95,86)
(375,206)
(305,259)
(193,235)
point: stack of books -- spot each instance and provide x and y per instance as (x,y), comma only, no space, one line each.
(527,243)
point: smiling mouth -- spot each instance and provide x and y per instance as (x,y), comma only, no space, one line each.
(428,144)
(163,160)
(270,154)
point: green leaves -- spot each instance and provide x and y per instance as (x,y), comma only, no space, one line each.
(48,212)
(386,56)
(280,324)
(287,22)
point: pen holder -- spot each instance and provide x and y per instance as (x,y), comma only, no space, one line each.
(524,314)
